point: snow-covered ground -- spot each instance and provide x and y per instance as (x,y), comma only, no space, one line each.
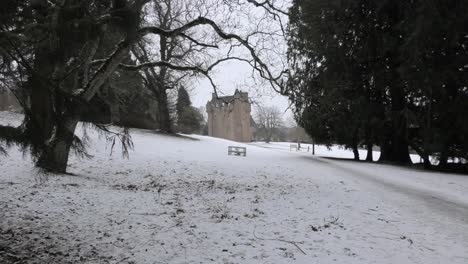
(323,151)
(178,200)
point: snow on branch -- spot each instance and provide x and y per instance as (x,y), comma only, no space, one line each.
(9,136)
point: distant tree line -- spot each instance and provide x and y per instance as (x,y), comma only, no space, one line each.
(269,121)
(381,72)
(270,126)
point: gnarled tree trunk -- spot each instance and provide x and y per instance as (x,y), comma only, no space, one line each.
(55,156)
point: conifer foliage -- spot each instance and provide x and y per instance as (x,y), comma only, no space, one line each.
(385,73)
(189,119)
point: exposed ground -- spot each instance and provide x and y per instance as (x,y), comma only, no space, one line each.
(183,201)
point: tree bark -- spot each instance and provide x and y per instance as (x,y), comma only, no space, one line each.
(55,157)
(427,162)
(356,152)
(443,159)
(395,149)
(39,125)
(164,117)
(370,152)
(48,126)
(424,154)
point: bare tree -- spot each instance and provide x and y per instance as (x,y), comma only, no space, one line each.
(179,50)
(55,53)
(297,133)
(269,119)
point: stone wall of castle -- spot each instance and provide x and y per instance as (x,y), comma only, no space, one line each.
(229,117)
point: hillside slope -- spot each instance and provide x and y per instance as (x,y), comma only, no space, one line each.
(178,200)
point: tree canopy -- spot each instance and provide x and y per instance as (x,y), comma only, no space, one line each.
(386,73)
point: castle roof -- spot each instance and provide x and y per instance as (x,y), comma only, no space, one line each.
(230,98)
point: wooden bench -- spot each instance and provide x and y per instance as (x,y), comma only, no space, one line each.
(237,151)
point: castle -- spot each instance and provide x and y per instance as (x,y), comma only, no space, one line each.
(229,117)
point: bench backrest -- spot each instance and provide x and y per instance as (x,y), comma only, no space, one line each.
(237,149)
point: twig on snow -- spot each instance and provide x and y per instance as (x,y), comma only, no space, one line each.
(280,240)
(9,183)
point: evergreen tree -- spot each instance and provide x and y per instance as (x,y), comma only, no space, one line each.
(189,119)
(53,50)
(336,73)
(390,73)
(435,69)
(183,100)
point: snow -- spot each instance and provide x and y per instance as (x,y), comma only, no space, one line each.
(335,151)
(184,200)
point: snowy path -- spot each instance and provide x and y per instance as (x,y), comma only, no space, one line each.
(184,201)
(444,193)
(432,199)
(441,200)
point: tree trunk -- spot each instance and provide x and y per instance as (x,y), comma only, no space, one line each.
(164,115)
(370,152)
(267,136)
(424,154)
(55,157)
(443,159)
(356,152)
(395,152)
(395,149)
(39,124)
(400,146)
(368,142)
(427,162)
(384,151)
(51,134)
(396,141)
(355,144)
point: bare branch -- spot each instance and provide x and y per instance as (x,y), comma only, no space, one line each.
(267,5)
(199,43)
(262,68)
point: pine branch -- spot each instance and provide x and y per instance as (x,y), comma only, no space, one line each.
(9,136)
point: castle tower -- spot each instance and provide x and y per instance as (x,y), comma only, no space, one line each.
(229,117)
